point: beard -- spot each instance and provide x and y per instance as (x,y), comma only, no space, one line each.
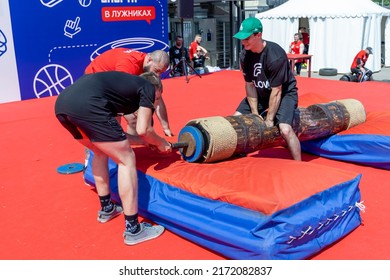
(146,68)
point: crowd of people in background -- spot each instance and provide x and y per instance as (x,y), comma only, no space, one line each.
(187,61)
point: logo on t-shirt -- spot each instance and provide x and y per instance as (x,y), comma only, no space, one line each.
(260,81)
(257,69)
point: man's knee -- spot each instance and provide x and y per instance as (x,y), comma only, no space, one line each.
(286,131)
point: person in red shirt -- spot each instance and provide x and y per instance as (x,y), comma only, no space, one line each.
(135,62)
(296,47)
(195,45)
(305,39)
(358,63)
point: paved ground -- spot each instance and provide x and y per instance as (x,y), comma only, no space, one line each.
(383,75)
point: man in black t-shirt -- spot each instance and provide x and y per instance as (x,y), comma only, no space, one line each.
(270,83)
(88,110)
(176,53)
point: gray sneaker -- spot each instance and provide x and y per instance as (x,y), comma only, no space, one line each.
(147,232)
(104,217)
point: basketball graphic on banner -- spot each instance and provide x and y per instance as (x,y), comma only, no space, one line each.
(51,80)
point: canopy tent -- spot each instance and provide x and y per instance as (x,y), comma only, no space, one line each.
(338,30)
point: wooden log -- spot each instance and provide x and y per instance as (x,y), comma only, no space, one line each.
(314,122)
(249,133)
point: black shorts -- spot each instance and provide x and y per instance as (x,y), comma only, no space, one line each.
(285,113)
(108,131)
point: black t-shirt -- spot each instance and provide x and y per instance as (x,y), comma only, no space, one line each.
(268,69)
(96,97)
(199,61)
(175,54)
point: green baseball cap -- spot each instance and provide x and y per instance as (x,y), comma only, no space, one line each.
(248,27)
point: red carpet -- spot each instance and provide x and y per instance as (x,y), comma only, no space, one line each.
(46,215)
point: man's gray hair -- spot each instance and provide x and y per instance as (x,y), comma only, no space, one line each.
(160,57)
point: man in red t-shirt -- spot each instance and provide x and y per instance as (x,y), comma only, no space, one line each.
(305,39)
(135,63)
(359,61)
(296,47)
(195,45)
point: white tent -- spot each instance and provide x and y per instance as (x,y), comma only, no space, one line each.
(338,30)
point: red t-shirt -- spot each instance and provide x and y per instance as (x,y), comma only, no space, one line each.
(192,50)
(305,38)
(118,59)
(296,49)
(360,57)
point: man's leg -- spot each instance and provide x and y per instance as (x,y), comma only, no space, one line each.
(298,66)
(101,176)
(124,156)
(292,140)
(100,173)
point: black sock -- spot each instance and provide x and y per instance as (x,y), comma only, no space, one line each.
(132,224)
(106,203)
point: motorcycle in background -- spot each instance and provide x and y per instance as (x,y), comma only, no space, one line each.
(358,77)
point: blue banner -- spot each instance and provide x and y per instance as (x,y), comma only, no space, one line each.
(56,39)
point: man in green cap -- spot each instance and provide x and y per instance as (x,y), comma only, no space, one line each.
(270,83)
